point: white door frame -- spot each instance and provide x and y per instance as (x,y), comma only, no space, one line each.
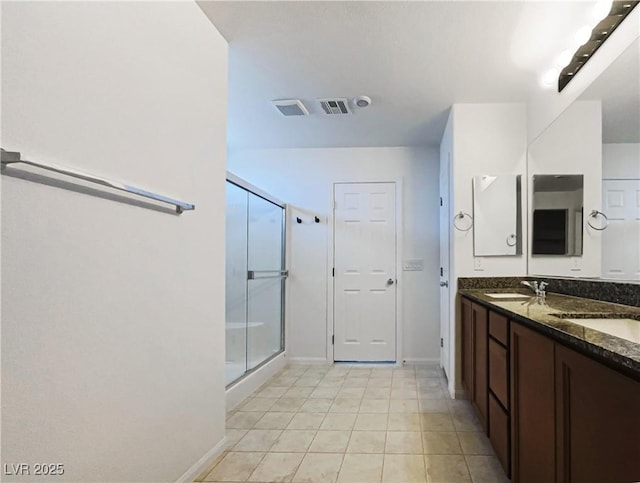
(399,273)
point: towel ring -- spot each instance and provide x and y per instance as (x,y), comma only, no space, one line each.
(594,214)
(461,216)
(512,240)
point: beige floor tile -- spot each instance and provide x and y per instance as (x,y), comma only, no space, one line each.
(305,381)
(293,441)
(234,435)
(316,405)
(433,406)
(306,421)
(403,384)
(351,392)
(377,392)
(465,420)
(319,468)
(338,421)
(436,422)
(404,422)
(432,394)
(287,404)
(441,442)
(475,443)
(257,440)
(367,442)
(324,392)
(404,442)
(244,420)
(235,467)
(277,467)
(209,468)
(272,391)
(341,405)
(447,469)
(403,468)
(361,468)
(404,394)
(433,383)
(356,381)
(257,404)
(298,392)
(274,420)
(330,442)
(284,381)
(374,406)
(486,469)
(379,383)
(403,406)
(371,422)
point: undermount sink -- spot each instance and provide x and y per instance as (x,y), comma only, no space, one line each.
(507,295)
(623,327)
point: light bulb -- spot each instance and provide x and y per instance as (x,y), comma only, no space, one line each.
(583,35)
(564,59)
(550,77)
(601,9)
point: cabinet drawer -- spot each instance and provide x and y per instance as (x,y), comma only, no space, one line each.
(499,433)
(498,372)
(499,327)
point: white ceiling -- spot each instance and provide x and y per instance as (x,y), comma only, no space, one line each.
(619,90)
(414,59)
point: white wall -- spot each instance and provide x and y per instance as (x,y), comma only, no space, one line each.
(483,139)
(621,161)
(303,178)
(113,313)
(572,145)
(545,105)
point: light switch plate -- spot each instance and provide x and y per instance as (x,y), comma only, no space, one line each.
(413,265)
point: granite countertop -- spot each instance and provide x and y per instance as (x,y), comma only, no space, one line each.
(538,314)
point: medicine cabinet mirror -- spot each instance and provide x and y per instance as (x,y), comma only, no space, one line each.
(497,221)
(557,215)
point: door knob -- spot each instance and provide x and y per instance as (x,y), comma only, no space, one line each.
(390,281)
(444,284)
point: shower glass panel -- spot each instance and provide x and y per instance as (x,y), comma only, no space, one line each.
(255,279)
(236,282)
(266,285)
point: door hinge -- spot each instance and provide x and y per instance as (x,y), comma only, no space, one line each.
(441,272)
(333,272)
(333,339)
(441,201)
(441,342)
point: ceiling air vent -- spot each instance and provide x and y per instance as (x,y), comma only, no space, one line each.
(290,107)
(335,106)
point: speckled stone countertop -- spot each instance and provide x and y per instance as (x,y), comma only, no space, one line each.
(538,314)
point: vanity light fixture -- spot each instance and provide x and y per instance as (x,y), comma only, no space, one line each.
(607,16)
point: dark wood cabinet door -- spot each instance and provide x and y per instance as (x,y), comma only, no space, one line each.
(466,339)
(499,372)
(499,327)
(499,433)
(481,363)
(598,430)
(532,406)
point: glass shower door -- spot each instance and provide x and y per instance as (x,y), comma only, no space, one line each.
(265,288)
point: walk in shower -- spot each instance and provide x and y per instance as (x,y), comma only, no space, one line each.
(255,278)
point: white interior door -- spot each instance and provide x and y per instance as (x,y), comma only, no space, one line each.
(621,240)
(444,265)
(365,272)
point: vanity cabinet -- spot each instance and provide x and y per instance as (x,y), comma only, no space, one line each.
(533,406)
(598,421)
(474,324)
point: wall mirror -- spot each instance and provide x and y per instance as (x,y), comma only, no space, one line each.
(557,215)
(497,224)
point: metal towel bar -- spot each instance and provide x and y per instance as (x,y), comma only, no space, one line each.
(11,157)
(255,274)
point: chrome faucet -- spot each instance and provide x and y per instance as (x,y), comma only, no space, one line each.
(537,287)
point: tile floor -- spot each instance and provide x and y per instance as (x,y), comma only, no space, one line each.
(355,423)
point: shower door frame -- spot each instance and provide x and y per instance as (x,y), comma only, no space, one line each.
(245,185)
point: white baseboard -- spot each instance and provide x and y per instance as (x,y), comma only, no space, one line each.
(202,464)
(309,360)
(246,386)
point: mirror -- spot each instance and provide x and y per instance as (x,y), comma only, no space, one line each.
(599,136)
(557,215)
(496,215)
